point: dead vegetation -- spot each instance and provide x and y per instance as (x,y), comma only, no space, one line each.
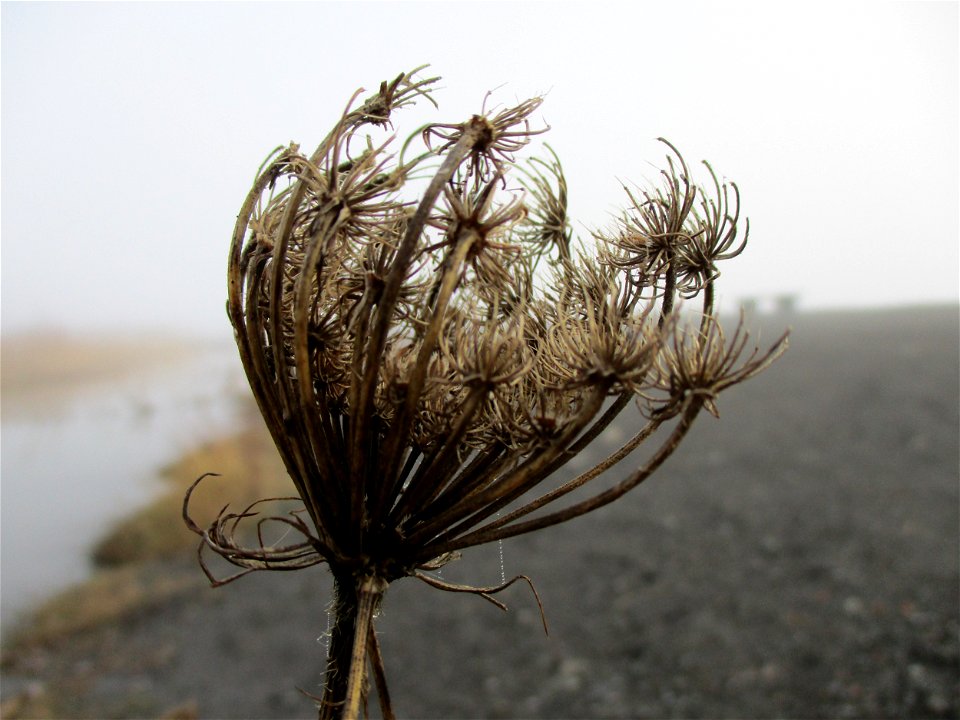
(428,344)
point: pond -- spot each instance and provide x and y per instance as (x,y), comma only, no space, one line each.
(71,470)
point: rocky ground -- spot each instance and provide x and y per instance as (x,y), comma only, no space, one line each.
(796,559)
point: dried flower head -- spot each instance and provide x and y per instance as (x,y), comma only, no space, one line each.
(426,362)
(700,363)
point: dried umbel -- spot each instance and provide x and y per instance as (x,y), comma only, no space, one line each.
(428,346)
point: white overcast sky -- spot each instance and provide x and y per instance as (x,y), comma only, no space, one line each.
(131,132)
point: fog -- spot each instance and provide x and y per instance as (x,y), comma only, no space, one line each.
(131,132)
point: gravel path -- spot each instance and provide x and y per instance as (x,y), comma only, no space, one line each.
(798,559)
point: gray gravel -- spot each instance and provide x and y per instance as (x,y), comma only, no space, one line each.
(796,559)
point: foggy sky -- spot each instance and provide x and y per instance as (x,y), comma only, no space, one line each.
(131,133)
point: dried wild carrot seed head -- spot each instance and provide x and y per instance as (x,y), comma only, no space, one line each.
(428,342)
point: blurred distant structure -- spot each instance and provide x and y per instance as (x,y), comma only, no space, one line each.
(783,304)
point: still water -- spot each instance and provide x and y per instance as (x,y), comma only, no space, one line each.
(68,473)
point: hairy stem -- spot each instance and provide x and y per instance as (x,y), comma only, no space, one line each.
(356,601)
(340,648)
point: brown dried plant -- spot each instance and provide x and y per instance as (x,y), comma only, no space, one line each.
(428,346)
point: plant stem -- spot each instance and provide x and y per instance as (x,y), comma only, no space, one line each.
(379,676)
(341,637)
(356,601)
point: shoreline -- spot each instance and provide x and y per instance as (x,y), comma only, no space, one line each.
(144,562)
(155,538)
(82,450)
